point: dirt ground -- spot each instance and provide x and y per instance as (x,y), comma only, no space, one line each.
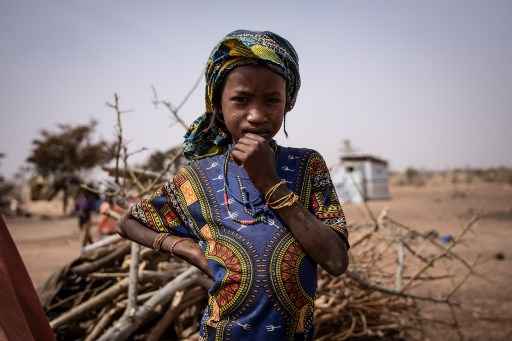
(46,244)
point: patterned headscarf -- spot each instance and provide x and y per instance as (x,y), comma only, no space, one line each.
(239,48)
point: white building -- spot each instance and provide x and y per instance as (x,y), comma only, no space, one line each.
(361,178)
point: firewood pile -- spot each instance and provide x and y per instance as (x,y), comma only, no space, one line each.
(98,291)
(118,290)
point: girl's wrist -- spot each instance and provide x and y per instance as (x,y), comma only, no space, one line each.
(174,245)
(267,184)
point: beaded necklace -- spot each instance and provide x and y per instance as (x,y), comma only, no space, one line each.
(258,215)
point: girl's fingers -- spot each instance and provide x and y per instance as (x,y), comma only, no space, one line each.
(245,141)
(254,137)
(244,148)
(238,156)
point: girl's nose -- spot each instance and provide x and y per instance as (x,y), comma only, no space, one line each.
(257,115)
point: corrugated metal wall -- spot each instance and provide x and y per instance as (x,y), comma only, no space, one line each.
(356,181)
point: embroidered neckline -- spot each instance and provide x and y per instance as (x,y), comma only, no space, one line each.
(258,215)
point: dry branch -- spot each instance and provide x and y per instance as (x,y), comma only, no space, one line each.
(92,304)
(133,279)
(117,254)
(128,324)
(192,297)
(101,243)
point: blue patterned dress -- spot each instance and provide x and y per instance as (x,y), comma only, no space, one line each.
(264,284)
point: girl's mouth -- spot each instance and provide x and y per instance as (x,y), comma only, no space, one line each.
(261,132)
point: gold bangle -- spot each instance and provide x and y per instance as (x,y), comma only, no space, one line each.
(286,201)
(280,200)
(159,240)
(272,189)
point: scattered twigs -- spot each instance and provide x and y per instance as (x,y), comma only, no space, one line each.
(367,285)
(434,243)
(415,253)
(456,323)
(376,223)
(462,282)
(468,226)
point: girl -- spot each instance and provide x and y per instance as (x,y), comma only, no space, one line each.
(255,216)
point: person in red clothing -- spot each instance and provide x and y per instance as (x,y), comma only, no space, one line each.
(107,224)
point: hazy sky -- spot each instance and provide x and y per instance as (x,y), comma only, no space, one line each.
(426,84)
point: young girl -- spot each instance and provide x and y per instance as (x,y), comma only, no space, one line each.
(255,216)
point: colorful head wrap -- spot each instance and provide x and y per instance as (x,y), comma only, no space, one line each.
(239,48)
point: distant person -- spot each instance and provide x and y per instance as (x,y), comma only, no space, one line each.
(85,205)
(107,224)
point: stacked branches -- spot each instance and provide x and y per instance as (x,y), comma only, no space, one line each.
(93,299)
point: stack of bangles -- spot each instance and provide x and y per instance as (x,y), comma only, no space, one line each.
(286,200)
(159,241)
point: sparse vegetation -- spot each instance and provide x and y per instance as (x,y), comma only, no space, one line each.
(60,158)
(6,189)
(69,150)
(158,160)
(415,177)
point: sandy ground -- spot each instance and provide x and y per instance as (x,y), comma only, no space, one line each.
(45,245)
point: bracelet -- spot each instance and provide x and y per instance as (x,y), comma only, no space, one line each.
(272,190)
(286,201)
(159,240)
(290,202)
(279,201)
(176,242)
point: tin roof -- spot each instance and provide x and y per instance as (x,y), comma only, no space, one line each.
(364,157)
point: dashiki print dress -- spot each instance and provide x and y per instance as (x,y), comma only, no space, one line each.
(264,284)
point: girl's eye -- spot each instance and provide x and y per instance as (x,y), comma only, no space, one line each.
(239,99)
(274,100)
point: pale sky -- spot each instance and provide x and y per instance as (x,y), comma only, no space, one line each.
(424,84)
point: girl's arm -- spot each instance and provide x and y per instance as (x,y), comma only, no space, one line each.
(187,249)
(319,241)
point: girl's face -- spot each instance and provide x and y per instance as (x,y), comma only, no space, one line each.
(253,101)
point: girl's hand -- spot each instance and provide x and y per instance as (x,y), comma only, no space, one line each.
(254,153)
(189,251)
